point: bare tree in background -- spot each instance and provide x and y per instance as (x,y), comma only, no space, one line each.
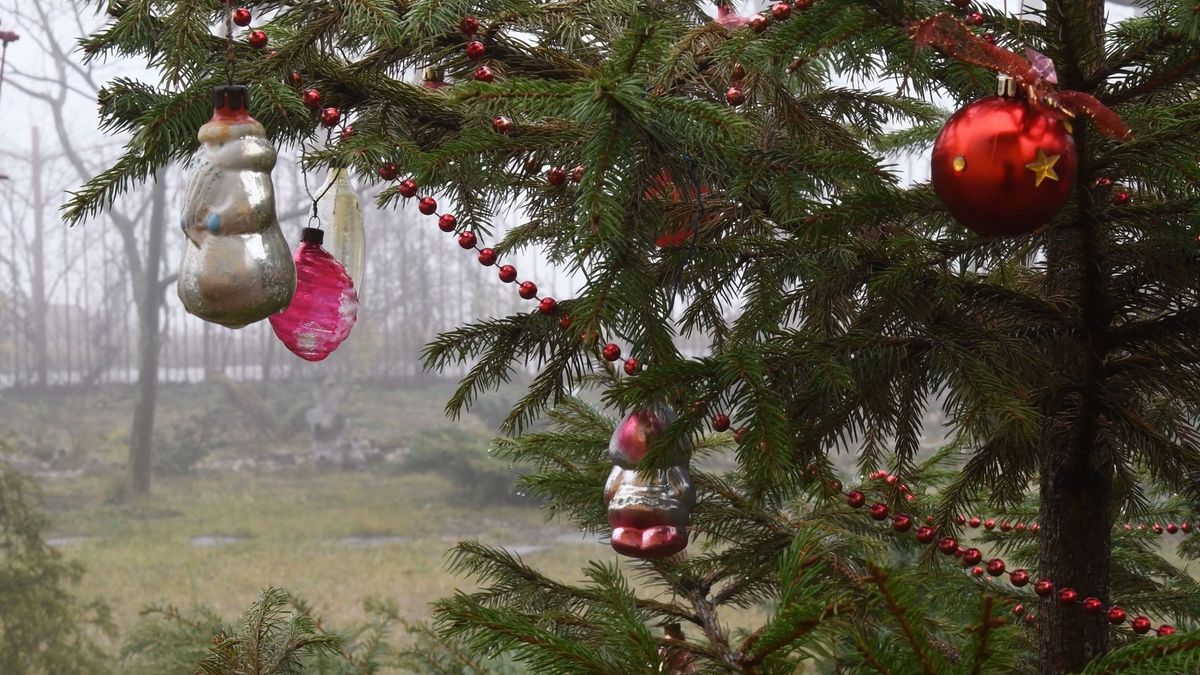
(65,82)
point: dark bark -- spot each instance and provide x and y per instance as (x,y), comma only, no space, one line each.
(1076,471)
(149,306)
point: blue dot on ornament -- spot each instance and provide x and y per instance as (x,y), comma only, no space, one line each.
(213,223)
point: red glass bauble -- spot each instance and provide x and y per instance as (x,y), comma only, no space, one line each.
(469,25)
(484,74)
(1092,605)
(1165,630)
(781,11)
(476,50)
(1116,616)
(995,567)
(508,274)
(547,305)
(1043,587)
(1019,577)
(487,257)
(611,352)
(856,499)
(925,534)
(802,5)
(720,423)
(972,556)
(1006,526)
(296,78)
(527,290)
(447,222)
(735,96)
(1067,595)
(948,545)
(974,19)
(257,39)
(311,99)
(427,206)
(1019,609)
(389,171)
(241,16)
(407,188)
(347,133)
(501,125)
(1003,167)
(902,523)
(758,23)
(577,174)
(324,306)
(975,521)
(879,511)
(631,365)
(989,524)
(556,176)
(466,240)
(565,323)
(331,116)
(1140,625)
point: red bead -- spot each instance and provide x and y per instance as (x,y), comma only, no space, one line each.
(1019,577)
(487,257)
(740,433)
(1103,182)
(565,322)
(1172,528)
(389,171)
(989,524)
(346,133)
(989,38)
(781,11)
(735,96)
(476,50)
(467,239)
(508,274)
(835,485)
(720,423)
(925,534)
(974,19)
(407,188)
(977,571)
(1140,625)
(995,567)
(855,498)
(427,206)
(1019,527)
(1128,527)
(257,39)
(890,479)
(1092,605)
(902,523)
(1116,616)
(331,116)
(311,98)
(1029,618)
(948,545)
(501,125)
(960,519)
(879,511)
(448,223)
(737,73)
(1006,526)
(241,16)
(556,176)
(961,3)
(1165,630)
(484,74)
(971,556)
(802,5)
(758,23)
(1186,527)
(1019,609)
(527,290)
(1067,595)
(992,165)
(1043,587)
(1035,528)
(1121,198)
(577,174)
(611,352)
(974,521)
(296,78)
(875,475)
(547,305)
(631,366)
(469,25)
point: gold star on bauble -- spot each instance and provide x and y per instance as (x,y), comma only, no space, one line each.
(1043,167)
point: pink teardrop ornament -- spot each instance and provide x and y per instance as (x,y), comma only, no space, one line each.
(324,307)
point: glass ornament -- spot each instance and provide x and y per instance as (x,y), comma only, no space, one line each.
(341,214)
(648,509)
(325,305)
(236,266)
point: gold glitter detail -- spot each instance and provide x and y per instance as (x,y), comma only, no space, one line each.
(960,163)
(1043,167)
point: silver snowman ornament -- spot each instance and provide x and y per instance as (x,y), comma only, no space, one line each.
(236,267)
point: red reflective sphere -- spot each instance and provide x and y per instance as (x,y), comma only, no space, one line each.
(879,511)
(925,534)
(487,257)
(856,499)
(1003,167)
(1116,616)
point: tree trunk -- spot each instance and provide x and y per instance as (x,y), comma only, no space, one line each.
(149,305)
(1076,472)
(40,306)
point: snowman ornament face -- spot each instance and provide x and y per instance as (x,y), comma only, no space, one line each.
(648,509)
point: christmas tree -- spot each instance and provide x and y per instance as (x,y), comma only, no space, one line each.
(729,179)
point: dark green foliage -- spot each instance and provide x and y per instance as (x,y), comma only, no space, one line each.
(44,629)
(1060,359)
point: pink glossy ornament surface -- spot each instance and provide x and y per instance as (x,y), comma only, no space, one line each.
(648,509)
(324,307)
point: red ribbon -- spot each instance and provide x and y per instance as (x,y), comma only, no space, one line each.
(954,39)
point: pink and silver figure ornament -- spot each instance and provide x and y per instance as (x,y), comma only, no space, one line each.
(236,267)
(648,509)
(325,306)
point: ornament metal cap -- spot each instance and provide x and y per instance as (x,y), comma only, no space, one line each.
(232,97)
(432,74)
(312,235)
(1005,86)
